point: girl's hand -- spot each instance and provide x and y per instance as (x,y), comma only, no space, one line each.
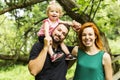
(50,39)
(76,26)
(46,42)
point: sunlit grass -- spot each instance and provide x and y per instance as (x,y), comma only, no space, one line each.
(15,72)
(20,72)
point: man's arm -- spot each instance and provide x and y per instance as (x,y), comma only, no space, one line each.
(36,65)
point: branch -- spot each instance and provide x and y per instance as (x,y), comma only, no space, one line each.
(2,21)
(69,6)
(21,58)
(91,8)
(20,5)
(96,9)
(116,76)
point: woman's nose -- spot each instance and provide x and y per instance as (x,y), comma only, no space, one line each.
(87,36)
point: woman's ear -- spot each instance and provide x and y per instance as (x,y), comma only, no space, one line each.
(95,37)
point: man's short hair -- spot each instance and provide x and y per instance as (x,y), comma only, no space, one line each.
(66,25)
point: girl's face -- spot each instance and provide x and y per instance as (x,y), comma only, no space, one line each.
(88,37)
(53,14)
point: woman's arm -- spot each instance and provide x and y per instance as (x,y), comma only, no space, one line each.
(74,53)
(107,67)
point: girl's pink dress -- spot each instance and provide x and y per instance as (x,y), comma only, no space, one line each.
(51,27)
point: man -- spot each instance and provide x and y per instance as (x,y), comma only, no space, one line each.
(40,64)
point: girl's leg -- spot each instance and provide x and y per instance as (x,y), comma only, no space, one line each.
(54,56)
(66,51)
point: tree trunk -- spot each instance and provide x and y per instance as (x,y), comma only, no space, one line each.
(20,58)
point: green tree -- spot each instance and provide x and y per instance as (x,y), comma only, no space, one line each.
(21,19)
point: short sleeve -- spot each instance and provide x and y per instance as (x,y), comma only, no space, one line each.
(36,48)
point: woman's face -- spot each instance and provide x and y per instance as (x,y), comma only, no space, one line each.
(88,37)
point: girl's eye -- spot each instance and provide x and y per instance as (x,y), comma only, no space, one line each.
(57,12)
(90,34)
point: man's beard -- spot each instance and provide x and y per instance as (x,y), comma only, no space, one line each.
(55,41)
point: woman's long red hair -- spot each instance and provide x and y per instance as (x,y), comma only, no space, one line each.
(98,40)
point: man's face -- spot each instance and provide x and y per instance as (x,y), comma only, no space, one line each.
(59,33)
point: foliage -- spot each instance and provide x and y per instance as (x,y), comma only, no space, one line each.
(18,37)
(24,24)
(7,33)
(114,45)
(108,18)
(104,13)
(18,29)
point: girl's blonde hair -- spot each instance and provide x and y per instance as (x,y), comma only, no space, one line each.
(53,4)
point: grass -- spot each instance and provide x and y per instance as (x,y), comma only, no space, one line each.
(15,72)
(20,72)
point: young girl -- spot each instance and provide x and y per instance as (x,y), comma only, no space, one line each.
(54,12)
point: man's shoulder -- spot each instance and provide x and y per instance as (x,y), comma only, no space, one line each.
(38,44)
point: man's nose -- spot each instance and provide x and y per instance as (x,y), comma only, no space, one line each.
(59,34)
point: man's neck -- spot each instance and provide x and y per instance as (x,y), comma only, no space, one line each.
(55,45)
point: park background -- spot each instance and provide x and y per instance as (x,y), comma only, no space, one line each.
(21,19)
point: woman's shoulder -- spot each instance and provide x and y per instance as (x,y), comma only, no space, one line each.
(106,57)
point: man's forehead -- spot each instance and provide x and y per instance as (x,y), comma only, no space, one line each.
(62,27)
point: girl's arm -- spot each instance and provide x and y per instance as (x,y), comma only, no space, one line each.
(67,22)
(107,67)
(74,24)
(64,48)
(46,29)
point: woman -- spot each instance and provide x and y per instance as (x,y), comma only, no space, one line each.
(93,63)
